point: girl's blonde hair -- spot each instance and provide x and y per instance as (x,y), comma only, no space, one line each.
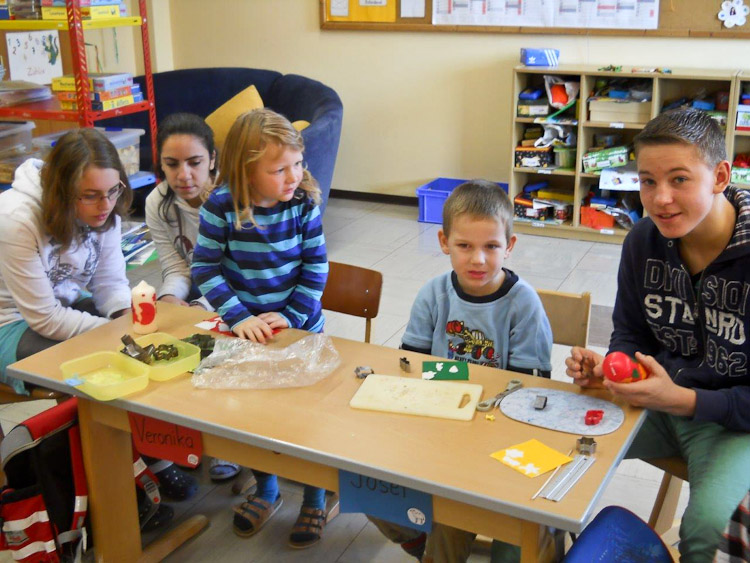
(247,141)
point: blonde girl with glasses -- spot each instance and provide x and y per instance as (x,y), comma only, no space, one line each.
(62,271)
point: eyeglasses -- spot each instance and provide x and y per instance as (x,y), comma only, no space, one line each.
(111,195)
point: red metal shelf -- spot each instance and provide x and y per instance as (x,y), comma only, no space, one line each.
(50,109)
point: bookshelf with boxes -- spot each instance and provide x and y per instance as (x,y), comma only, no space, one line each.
(85,98)
(81,98)
(740,154)
(599,184)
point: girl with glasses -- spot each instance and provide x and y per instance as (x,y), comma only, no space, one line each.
(62,271)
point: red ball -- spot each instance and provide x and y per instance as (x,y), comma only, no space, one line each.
(621,368)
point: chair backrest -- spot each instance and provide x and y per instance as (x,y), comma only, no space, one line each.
(615,534)
(353,291)
(568,315)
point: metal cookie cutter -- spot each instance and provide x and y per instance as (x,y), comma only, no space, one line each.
(363,371)
(586,445)
(489,404)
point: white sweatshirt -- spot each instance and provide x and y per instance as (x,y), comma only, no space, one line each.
(175,253)
(38,281)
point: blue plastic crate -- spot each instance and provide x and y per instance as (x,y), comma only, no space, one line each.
(433,195)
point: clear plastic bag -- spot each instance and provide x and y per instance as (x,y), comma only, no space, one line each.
(240,364)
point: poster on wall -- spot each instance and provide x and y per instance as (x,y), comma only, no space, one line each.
(362,10)
(34,56)
(602,14)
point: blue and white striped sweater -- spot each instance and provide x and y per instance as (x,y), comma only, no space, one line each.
(280,266)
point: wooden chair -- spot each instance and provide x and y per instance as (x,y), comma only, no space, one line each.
(662,517)
(569,315)
(354,291)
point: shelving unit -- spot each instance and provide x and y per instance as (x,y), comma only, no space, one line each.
(75,26)
(664,88)
(741,139)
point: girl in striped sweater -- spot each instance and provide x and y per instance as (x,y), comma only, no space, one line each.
(260,260)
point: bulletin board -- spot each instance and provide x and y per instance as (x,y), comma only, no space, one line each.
(677,18)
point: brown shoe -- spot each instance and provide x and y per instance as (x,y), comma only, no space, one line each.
(251,515)
(308,528)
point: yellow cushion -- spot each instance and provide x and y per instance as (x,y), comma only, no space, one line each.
(301,124)
(223,117)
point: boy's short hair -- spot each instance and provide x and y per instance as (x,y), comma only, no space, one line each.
(685,126)
(481,199)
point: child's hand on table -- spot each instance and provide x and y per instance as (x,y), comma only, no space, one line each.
(657,392)
(274,320)
(254,329)
(585,367)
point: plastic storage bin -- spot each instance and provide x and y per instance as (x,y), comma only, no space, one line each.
(433,195)
(188,356)
(126,141)
(565,157)
(13,134)
(106,375)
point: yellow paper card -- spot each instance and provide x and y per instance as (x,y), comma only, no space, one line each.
(531,458)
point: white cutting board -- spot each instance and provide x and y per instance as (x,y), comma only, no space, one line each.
(441,399)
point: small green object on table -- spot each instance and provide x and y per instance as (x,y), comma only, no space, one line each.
(203,341)
(445,370)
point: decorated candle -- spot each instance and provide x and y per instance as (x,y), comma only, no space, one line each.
(621,368)
(143,306)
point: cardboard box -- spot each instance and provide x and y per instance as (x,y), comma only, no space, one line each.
(540,57)
(605,158)
(596,219)
(532,108)
(534,157)
(619,111)
(740,175)
(743,117)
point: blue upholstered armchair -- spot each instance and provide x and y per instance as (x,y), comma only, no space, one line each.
(202,90)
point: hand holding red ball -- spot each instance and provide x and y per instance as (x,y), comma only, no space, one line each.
(621,368)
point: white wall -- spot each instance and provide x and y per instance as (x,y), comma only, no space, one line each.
(416,105)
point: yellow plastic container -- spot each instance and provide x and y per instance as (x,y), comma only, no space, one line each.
(188,356)
(106,375)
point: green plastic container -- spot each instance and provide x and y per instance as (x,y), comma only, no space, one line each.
(565,157)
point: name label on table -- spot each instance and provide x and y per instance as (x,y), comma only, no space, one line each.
(166,440)
(391,502)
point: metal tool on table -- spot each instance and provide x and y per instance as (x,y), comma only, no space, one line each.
(494,402)
(558,487)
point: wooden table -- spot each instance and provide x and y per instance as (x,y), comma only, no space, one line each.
(307,434)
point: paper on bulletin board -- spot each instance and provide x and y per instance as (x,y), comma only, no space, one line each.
(412,8)
(361,10)
(607,14)
(34,56)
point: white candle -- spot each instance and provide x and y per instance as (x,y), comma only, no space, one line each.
(143,306)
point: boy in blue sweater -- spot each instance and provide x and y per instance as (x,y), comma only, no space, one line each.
(682,311)
(478,313)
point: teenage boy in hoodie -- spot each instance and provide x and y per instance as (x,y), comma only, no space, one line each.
(60,242)
(683,311)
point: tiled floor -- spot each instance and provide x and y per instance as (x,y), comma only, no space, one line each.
(388,238)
